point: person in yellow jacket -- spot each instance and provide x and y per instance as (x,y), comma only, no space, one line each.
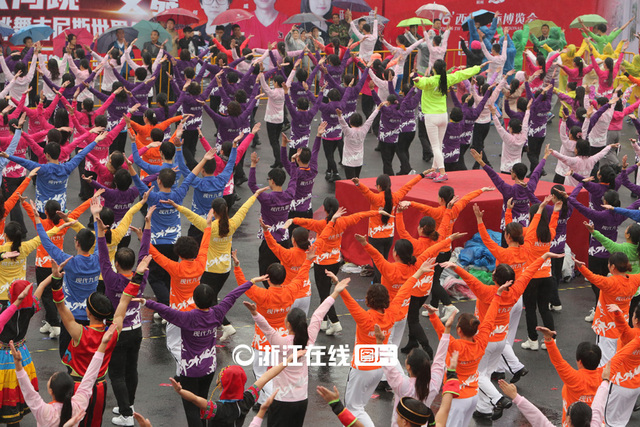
(219,254)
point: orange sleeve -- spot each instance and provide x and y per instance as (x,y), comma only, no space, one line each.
(359,315)
(29,210)
(163,261)
(347,221)
(495,249)
(487,325)
(508,216)
(567,373)
(464,202)
(136,127)
(370,195)
(521,283)
(603,283)
(201,260)
(433,250)
(237,271)
(553,223)
(13,199)
(280,252)
(162,126)
(432,211)
(397,307)
(446,227)
(75,214)
(402,230)
(386,268)
(634,80)
(626,334)
(310,224)
(483,292)
(399,195)
(530,236)
(437,325)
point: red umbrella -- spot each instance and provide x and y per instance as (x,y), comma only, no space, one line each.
(182,17)
(84,37)
(232,16)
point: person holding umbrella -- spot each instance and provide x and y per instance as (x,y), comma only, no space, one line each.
(120,44)
(599,34)
(474,27)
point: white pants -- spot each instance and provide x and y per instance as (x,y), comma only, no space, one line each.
(488,395)
(259,368)
(509,361)
(174,344)
(397,331)
(436,126)
(619,406)
(608,347)
(461,411)
(360,387)
(303,304)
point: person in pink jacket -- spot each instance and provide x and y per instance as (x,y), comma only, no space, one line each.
(67,407)
(582,163)
(607,75)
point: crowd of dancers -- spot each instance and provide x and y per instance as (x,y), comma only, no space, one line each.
(137,152)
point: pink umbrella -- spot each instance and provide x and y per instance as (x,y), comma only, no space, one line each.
(84,37)
(232,16)
(182,17)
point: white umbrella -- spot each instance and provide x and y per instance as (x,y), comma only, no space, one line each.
(431,9)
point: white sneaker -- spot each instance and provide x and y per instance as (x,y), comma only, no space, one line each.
(122,421)
(164,322)
(555,307)
(46,328)
(413,172)
(543,345)
(448,310)
(334,328)
(324,325)
(227,331)
(157,317)
(425,313)
(530,345)
(54,332)
(116,410)
(591,315)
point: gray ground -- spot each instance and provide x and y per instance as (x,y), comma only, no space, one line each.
(158,401)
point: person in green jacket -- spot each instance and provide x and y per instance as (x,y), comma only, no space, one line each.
(434,107)
(630,247)
(599,34)
(556,42)
(520,38)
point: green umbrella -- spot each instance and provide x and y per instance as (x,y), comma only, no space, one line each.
(535,27)
(414,21)
(144,34)
(590,20)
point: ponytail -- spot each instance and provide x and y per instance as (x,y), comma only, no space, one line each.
(330,206)
(420,365)
(62,387)
(620,261)
(384,182)
(13,231)
(428,228)
(543,233)
(108,218)
(608,63)
(67,409)
(298,321)
(634,235)
(221,209)
(440,68)
(404,250)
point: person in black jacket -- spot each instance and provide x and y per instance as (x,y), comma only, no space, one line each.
(475,55)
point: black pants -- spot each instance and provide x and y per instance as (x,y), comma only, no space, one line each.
(296,214)
(387,152)
(329,146)
(190,138)
(119,142)
(598,266)
(200,387)
(65,339)
(427,151)
(238,170)
(123,369)
(290,414)
(452,167)
(538,294)
(352,171)
(556,272)
(416,331)
(462,166)
(382,245)
(216,281)
(273,131)
(438,293)
(480,132)
(50,310)
(266,257)
(195,232)
(535,146)
(404,142)
(558,179)
(159,279)
(124,243)
(323,284)
(256,138)
(214,103)
(368,105)
(9,186)
(592,151)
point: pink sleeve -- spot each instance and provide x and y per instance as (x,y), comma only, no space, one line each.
(7,314)
(256,422)
(242,148)
(598,404)
(438,368)
(205,144)
(83,393)
(271,334)
(316,319)
(531,413)
(32,397)
(399,382)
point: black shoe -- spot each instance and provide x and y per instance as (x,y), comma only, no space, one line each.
(503,403)
(497,376)
(427,349)
(427,159)
(481,415)
(256,407)
(328,175)
(516,377)
(276,165)
(383,386)
(636,407)
(410,346)
(335,177)
(241,180)
(544,172)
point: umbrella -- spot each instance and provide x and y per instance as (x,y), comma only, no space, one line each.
(84,37)
(144,29)
(369,18)
(430,10)
(182,17)
(109,36)
(5,30)
(589,20)
(484,17)
(352,5)
(535,26)
(414,21)
(232,16)
(302,18)
(36,32)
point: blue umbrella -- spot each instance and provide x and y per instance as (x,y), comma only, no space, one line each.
(36,32)
(484,17)
(5,30)
(108,37)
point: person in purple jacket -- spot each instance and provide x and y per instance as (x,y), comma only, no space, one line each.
(538,117)
(332,137)
(274,209)
(523,194)
(453,137)
(198,332)
(121,198)
(139,90)
(302,115)
(470,115)
(236,122)
(349,89)
(306,163)
(408,105)
(299,87)
(390,120)
(605,179)
(121,105)
(123,367)
(192,104)
(68,87)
